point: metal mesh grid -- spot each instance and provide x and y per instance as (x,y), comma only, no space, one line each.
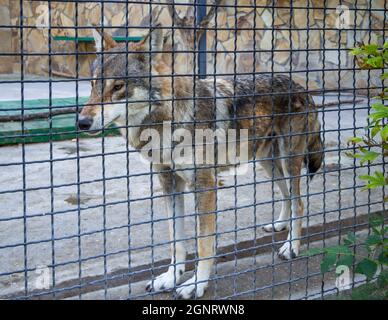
(90,223)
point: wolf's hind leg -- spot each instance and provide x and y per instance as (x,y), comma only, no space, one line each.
(275,171)
(175,210)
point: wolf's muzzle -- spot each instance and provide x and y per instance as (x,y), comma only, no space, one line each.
(84,123)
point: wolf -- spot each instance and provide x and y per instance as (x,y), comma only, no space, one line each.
(132,86)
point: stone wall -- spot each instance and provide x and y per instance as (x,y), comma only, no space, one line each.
(271,28)
(6,62)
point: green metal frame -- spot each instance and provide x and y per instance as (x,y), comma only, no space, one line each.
(62,126)
(91,39)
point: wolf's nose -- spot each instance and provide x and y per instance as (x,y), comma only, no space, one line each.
(84,123)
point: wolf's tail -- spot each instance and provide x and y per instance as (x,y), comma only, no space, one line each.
(314,157)
(313,160)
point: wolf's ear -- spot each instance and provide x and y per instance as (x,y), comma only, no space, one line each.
(103,41)
(153,41)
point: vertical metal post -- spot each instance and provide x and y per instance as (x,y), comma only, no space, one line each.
(201,13)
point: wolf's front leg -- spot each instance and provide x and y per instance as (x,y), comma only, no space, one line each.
(175,210)
(206,205)
(290,249)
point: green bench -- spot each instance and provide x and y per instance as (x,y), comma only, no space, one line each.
(39,130)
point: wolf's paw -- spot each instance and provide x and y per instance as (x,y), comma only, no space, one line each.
(191,289)
(165,281)
(289,250)
(277,226)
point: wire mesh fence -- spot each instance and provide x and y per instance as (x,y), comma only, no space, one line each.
(193,147)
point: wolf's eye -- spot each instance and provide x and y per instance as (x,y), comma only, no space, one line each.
(118,87)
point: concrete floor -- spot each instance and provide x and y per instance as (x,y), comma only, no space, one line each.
(60,88)
(101,234)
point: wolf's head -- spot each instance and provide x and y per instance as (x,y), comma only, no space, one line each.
(121,82)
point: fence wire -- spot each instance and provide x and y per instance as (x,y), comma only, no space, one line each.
(85,215)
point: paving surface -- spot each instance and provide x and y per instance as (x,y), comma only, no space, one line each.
(103,226)
(260,277)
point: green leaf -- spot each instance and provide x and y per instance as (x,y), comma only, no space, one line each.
(345,260)
(338,250)
(385,56)
(347,242)
(375,130)
(375,62)
(366,267)
(356,51)
(376,220)
(382,280)
(368,156)
(383,257)
(380,111)
(375,181)
(373,240)
(355,140)
(384,132)
(370,48)
(313,251)
(350,239)
(378,106)
(328,262)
